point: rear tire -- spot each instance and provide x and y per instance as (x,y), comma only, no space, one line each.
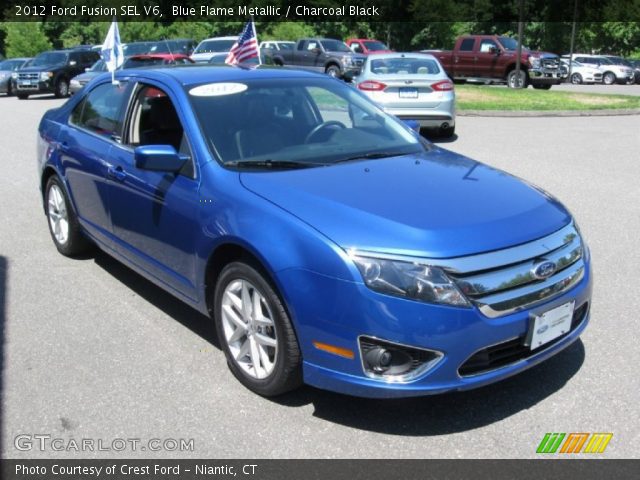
(542,87)
(261,347)
(63,223)
(576,79)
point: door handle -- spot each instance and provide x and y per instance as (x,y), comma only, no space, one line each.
(116,173)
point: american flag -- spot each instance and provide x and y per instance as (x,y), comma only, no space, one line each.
(246,46)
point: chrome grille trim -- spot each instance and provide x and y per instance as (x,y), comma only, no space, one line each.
(28,76)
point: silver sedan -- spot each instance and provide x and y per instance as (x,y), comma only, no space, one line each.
(7,69)
(411,86)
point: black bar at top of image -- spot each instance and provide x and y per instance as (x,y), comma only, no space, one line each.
(321,10)
(318,469)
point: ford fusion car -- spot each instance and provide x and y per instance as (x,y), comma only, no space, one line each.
(329,243)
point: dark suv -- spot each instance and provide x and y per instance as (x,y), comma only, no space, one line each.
(51,72)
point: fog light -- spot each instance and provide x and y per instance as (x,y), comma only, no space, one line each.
(393,362)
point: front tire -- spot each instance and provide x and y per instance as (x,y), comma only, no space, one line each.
(62,88)
(22,96)
(63,223)
(255,331)
(333,71)
(609,78)
(542,87)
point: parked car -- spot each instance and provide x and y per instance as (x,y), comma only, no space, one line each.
(617,60)
(331,244)
(493,58)
(411,86)
(636,69)
(277,45)
(367,46)
(79,81)
(7,69)
(183,46)
(327,55)
(156,59)
(611,73)
(51,72)
(582,73)
(213,47)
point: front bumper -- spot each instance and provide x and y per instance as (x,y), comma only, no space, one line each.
(34,87)
(338,312)
(4,84)
(545,76)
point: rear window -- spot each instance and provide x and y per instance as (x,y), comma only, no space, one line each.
(405,66)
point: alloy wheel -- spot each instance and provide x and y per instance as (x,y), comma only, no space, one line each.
(249,329)
(58,216)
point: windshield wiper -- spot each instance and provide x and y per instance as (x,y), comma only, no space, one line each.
(271,164)
(372,156)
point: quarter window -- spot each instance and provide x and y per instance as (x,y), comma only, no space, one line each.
(100,111)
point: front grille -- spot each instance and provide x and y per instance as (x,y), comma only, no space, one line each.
(512,351)
(550,63)
(507,281)
(28,76)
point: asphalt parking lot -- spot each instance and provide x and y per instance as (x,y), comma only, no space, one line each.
(92,351)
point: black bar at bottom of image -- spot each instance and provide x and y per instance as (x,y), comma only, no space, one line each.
(582,469)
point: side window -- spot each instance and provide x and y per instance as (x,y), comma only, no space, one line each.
(154,121)
(486,45)
(467,45)
(301,45)
(312,45)
(356,47)
(100,111)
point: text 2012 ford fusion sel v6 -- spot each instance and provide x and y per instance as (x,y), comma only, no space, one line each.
(330,243)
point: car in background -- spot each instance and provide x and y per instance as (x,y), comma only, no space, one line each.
(341,249)
(627,63)
(213,47)
(156,59)
(636,68)
(367,46)
(7,69)
(51,72)
(582,73)
(81,80)
(137,48)
(611,72)
(411,86)
(277,45)
(184,46)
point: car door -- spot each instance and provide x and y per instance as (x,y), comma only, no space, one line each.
(155,214)
(487,59)
(464,59)
(93,128)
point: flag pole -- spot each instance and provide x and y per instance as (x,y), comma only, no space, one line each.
(255,34)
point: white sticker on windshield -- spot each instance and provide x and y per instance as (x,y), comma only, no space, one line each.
(217,89)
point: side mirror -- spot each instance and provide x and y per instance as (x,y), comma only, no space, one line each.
(158,158)
(412,124)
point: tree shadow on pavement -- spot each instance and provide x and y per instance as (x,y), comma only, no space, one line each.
(448,413)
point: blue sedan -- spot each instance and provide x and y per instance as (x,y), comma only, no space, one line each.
(329,243)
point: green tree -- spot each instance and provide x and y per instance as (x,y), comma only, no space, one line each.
(25,39)
(287,31)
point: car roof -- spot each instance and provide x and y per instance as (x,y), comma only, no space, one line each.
(196,74)
(376,56)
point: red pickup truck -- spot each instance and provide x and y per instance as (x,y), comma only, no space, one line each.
(493,58)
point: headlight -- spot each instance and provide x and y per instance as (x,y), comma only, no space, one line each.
(46,75)
(14,75)
(347,60)
(534,61)
(414,281)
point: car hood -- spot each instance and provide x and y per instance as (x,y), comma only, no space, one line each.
(41,68)
(437,204)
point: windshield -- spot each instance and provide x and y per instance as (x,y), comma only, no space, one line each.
(335,46)
(404,66)
(605,61)
(10,65)
(143,62)
(49,58)
(374,45)
(215,46)
(509,43)
(99,66)
(619,61)
(297,121)
(136,48)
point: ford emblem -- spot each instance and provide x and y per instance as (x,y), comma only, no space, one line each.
(542,329)
(544,269)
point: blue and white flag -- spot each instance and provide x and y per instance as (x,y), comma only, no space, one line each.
(112,52)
